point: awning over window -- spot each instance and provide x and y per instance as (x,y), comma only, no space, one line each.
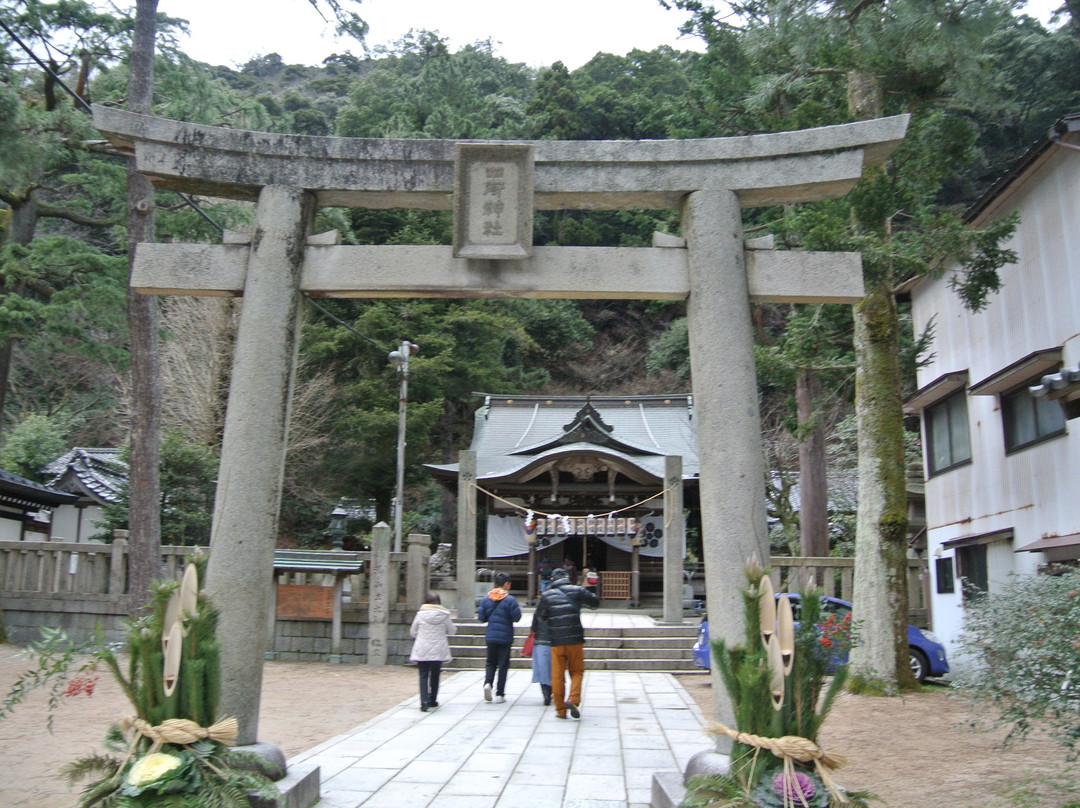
(940,388)
(985,538)
(1032,366)
(1050,543)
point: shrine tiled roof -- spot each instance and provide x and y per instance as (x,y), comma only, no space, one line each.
(512,432)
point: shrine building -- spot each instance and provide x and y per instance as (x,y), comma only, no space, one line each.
(581,478)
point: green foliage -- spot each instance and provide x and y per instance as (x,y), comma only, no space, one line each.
(34,442)
(714,791)
(671,350)
(1021,649)
(188,487)
(465,346)
(718,791)
(809,694)
(421,89)
(199,685)
(746,675)
(633,97)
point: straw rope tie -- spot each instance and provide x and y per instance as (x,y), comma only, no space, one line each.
(182,732)
(790,748)
(514,505)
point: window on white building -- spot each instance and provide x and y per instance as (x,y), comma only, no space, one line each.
(947,438)
(972,563)
(982,562)
(1028,419)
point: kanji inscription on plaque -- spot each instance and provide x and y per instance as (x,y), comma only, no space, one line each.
(493,201)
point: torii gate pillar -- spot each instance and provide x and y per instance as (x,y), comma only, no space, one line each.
(726,405)
(248,495)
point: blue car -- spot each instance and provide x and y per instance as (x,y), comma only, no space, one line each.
(926,653)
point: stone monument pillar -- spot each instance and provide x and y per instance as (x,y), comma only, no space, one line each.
(466,552)
(418,546)
(379,595)
(674,540)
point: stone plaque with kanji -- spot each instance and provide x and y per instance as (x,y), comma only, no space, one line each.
(493,201)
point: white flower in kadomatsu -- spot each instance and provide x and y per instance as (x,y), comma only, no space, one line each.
(161,773)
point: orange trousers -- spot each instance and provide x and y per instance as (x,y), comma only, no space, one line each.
(566,659)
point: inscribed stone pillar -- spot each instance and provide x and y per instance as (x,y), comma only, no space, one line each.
(674,541)
(244,533)
(379,595)
(732,471)
(418,546)
(466,535)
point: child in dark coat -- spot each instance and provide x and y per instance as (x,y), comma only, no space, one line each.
(500,611)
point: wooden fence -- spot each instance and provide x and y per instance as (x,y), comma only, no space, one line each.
(65,568)
(96,574)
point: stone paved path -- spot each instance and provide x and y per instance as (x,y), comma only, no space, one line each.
(479,754)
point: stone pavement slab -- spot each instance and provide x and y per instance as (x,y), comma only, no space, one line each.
(487,755)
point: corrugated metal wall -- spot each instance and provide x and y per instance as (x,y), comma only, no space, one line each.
(1034,491)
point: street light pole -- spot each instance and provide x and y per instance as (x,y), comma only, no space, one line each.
(400,360)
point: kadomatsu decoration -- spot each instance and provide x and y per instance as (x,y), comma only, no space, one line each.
(781,692)
(174,751)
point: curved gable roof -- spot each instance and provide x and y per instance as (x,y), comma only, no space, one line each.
(514,434)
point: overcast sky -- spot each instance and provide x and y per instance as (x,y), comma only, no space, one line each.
(230,32)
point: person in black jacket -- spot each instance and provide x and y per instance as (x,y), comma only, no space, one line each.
(560,609)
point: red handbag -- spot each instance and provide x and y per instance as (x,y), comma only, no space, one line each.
(527,648)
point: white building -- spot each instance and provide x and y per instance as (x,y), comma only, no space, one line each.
(1000,398)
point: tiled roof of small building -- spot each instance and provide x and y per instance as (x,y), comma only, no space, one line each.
(97,473)
(21,492)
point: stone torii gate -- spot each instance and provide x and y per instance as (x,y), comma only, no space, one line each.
(494,187)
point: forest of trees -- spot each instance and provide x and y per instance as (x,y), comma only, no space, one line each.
(981,81)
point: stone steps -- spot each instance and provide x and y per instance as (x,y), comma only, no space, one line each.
(656,648)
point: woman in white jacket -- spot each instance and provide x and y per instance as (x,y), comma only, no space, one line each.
(430,628)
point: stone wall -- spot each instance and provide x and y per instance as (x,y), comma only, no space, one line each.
(308,640)
(295,639)
(80,615)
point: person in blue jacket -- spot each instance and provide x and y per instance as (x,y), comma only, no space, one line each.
(500,611)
